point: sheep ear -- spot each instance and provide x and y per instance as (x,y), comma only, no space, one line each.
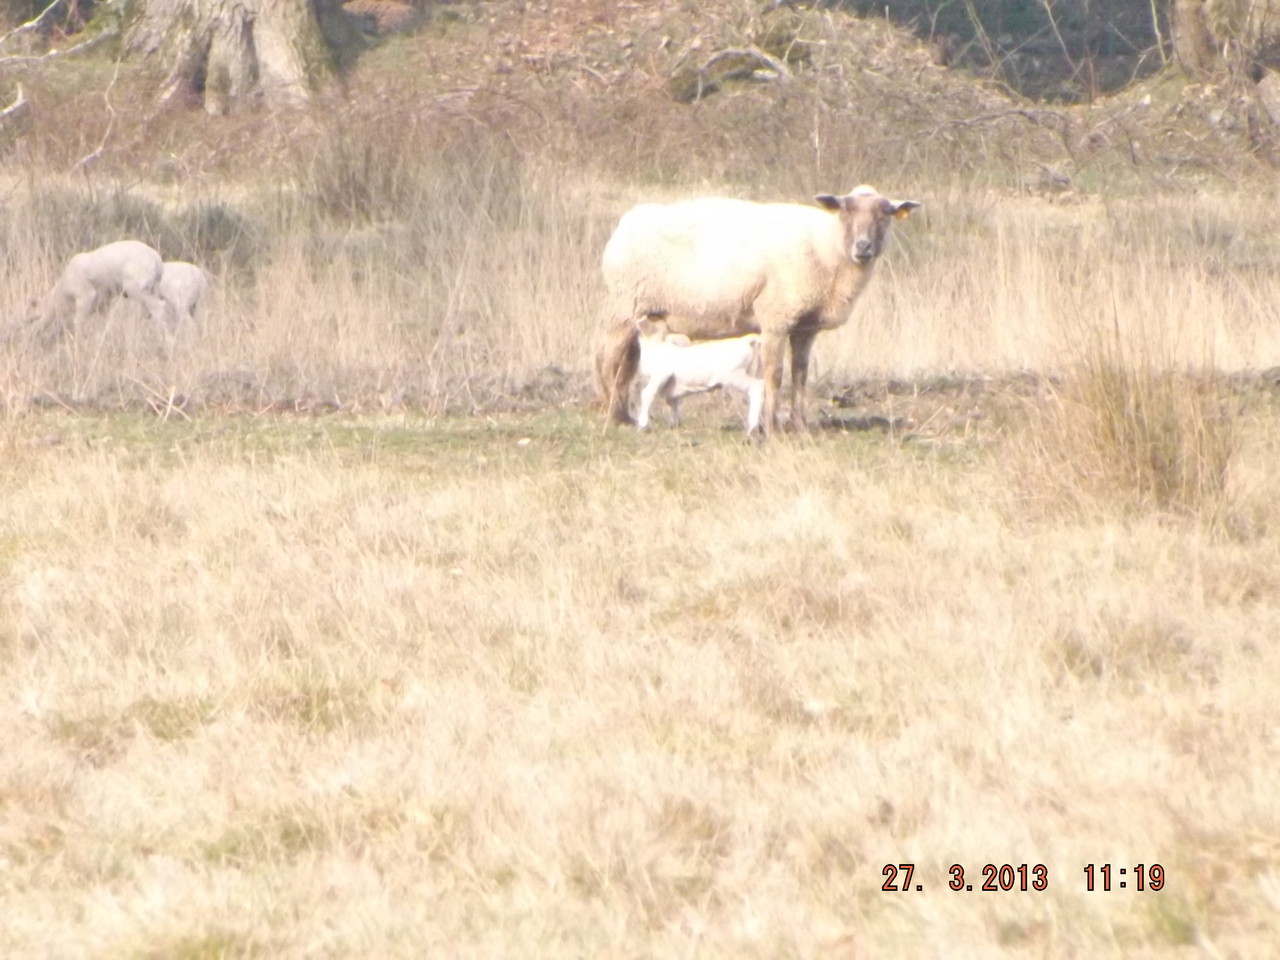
(827,202)
(902,208)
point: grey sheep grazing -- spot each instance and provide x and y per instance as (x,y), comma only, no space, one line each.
(90,279)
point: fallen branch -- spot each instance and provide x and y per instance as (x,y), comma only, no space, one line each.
(163,404)
(32,25)
(20,107)
(59,54)
(749,53)
(692,84)
(1035,116)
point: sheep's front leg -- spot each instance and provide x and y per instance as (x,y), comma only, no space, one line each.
(161,313)
(801,345)
(86,303)
(773,349)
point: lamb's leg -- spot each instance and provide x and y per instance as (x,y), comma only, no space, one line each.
(801,345)
(755,398)
(673,401)
(773,348)
(647,396)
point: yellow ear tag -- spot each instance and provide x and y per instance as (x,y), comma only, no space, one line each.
(901,213)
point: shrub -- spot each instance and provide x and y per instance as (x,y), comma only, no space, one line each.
(1128,429)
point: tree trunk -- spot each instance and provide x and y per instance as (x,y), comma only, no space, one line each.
(229,51)
(1193,45)
(1216,35)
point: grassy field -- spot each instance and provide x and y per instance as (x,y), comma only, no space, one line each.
(347,629)
(389,685)
(443,665)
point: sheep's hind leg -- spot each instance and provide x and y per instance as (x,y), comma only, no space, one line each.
(616,366)
(86,303)
(772,352)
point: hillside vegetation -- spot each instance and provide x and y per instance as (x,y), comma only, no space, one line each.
(346,627)
(502,140)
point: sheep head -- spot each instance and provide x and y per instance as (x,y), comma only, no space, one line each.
(867,217)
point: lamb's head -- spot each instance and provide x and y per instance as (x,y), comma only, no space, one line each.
(653,329)
(866,217)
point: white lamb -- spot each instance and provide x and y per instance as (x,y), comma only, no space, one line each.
(183,286)
(90,279)
(674,366)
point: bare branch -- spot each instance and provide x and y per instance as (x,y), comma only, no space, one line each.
(1057,34)
(1155,28)
(106,99)
(31,25)
(984,38)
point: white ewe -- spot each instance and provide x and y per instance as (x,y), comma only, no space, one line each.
(674,367)
(90,279)
(720,267)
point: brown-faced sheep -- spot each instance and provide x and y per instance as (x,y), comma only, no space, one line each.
(89,279)
(718,267)
(674,366)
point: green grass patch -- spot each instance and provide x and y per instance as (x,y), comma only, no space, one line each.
(281,837)
(214,945)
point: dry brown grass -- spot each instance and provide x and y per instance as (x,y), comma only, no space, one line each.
(394,682)
(373,687)
(1141,435)
(490,279)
